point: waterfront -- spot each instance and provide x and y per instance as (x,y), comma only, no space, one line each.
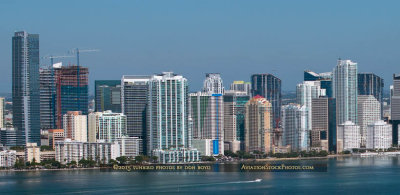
(345,175)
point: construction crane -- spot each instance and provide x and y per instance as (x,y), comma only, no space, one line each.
(51,57)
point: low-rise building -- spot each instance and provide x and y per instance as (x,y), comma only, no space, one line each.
(348,136)
(55,135)
(101,151)
(32,152)
(129,146)
(8,158)
(47,155)
(177,156)
(68,150)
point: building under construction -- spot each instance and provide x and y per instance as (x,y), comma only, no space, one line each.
(71,91)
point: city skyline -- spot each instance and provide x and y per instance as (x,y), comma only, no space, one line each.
(252,38)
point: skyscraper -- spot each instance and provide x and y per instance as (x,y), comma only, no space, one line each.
(108,95)
(234,119)
(25,87)
(379,135)
(71,91)
(325,80)
(47,99)
(207,114)
(168,135)
(268,86)
(345,91)
(294,125)
(305,92)
(107,126)
(241,86)
(323,131)
(369,111)
(134,93)
(395,108)
(371,84)
(258,125)
(213,84)
(2,107)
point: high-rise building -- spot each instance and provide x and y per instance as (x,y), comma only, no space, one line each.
(134,92)
(241,86)
(75,126)
(325,80)
(71,91)
(55,135)
(371,84)
(295,129)
(369,111)
(47,98)
(25,87)
(168,135)
(269,86)
(107,95)
(106,126)
(213,84)
(379,135)
(323,131)
(207,114)
(345,91)
(395,108)
(68,150)
(348,136)
(305,92)
(8,136)
(258,125)
(2,112)
(234,118)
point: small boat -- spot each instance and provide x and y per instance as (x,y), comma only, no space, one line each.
(258,180)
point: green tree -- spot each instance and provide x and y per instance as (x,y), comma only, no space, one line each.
(122,160)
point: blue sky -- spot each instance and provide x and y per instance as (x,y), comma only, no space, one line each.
(235,38)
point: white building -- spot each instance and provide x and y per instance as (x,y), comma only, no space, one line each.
(177,156)
(129,146)
(379,135)
(101,152)
(32,151)
(75,126)
(204,146)
(369,111)
(68,150)
(213,84)
(106,126)
(295,127)
(305,92)
(345,91)
(241,86)
(348,136)
(8,158)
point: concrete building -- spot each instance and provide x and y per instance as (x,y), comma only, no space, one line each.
(68,150)
(345,91)
(371,84)
(32,151)
(204,146)
(207,113)
(75,126)
(129,146)
(47,98)
(2,112)
(177,156)
(47,155)
(55,135)
(8,158)
(323,131)
(213,84)
(258,125)
(325,80)
(395,109)
(348,136)
(296,132)
(305,92)
(369,112)
(106,126)
(101,152)
(108,95)
(379,135)
(241,86)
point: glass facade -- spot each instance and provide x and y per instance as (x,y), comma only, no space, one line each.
(108,95)
(25,87)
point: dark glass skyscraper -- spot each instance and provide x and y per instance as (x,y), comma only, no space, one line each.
(268,86)
(371,84)
(25,87)
(395,108)
(47,99)
(108,95)
(134,91)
